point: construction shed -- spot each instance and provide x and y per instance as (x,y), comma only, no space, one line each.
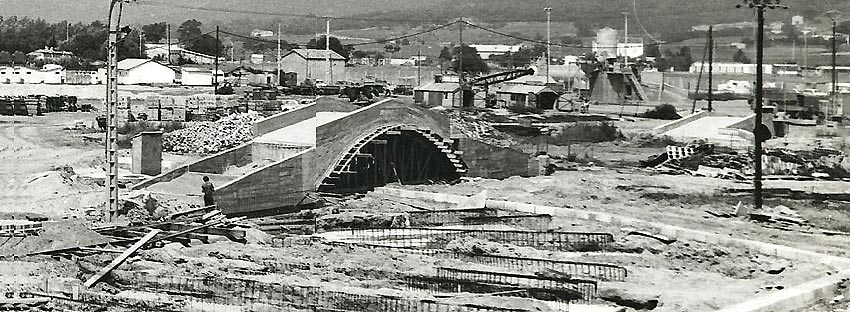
(440,94)
(535,96)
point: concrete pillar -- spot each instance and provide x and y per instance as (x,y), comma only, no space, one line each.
(147,153)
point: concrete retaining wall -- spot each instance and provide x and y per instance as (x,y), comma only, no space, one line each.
(337,137)
(163,177)
(274,186)
(494,162)
(272,151)
(680,122)
(218,163)
(288,118)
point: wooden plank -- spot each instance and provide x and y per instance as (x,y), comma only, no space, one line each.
(101,249)
(120,259)
(191,211)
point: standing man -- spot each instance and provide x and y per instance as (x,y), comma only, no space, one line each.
(208,189)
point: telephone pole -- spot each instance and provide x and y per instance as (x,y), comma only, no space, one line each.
(278,53)
(329,76)
(548,40)
(710,65)
(217,53)
(626,39)
(168,41)
(759,128)
(834,74)
(460,60)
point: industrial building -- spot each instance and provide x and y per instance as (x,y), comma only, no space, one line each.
(161,51)
(436,94)
(729,68)
(144,71)
(487,50)
(313,64)
(50,73)
(530,96)
(198,76)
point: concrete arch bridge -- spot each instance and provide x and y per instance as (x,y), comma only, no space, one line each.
(335,147)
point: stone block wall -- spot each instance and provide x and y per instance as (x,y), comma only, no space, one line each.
(274,186)
(218,163)
(494,162)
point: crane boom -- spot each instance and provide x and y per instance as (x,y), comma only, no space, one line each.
(501,77)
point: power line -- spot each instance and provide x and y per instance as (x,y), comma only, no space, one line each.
(221,10)
(407,36)
(560,44)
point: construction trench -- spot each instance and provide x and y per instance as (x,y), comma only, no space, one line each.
(353,231)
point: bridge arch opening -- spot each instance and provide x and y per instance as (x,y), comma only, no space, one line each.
(402,154)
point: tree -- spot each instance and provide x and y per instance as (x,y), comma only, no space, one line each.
(445,54)
(19,58)
(5,57)
(392,48)
(336,46)
(206,44)
(652,50)
(129,47)
(405,42)
(790,32)
(189,30)
(472,62)
(155,32)
(741,57)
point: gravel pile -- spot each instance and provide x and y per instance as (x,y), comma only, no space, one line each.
(212,137)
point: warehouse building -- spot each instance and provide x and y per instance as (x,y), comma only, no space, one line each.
(313,64)
(144,71)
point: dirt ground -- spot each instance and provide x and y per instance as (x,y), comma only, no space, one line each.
(42,169)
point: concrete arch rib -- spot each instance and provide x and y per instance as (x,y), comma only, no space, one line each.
(402,153)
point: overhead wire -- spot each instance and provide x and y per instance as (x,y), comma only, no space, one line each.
(279,14)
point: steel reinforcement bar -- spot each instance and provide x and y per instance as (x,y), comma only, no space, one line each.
(241,291)
(587,288)
(439,238)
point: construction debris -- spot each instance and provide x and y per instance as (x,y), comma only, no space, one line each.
(211,137)
(474,128)
(702,159)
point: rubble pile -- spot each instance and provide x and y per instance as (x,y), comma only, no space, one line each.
(480,130)
(212,137)
(704,160)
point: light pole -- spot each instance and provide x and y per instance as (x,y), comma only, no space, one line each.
(111,108)
(833,15)
(548,40)
(759,130)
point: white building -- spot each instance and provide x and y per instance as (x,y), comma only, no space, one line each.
(50,74)
(154,50)
(798,20)
(632,49)
(198,76)
(49,54)
(144,71)
(313,64)
(730,68)
(486,50)
(262,33)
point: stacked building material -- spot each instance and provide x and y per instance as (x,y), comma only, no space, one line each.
(480,130)
(212,137)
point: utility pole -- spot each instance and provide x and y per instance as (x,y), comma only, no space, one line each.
(217,53)
(548,41)
(419,65)
(834,74)
(710,65)
(168,41)
(760,135)
(329,75)
(141,44)
(805,49)
(111,108)
(626,39)
(278,53)
(460,60)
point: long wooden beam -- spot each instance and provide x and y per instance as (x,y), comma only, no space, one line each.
(120,259)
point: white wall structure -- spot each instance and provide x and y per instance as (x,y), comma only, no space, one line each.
(730,68)
(144,71)
(50,74)
(487,50)
(195,76)
(313,64)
